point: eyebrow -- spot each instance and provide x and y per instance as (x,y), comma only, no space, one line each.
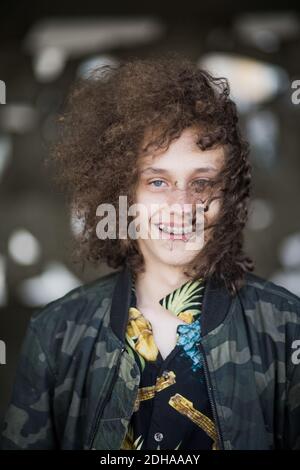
(152,169)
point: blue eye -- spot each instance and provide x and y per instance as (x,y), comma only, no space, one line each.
(156,181)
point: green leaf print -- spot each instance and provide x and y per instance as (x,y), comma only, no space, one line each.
(185,298)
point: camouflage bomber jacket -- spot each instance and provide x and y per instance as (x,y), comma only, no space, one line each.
(76,384)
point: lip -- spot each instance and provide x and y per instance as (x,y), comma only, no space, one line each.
(172,224)
(171,236)
(187,227)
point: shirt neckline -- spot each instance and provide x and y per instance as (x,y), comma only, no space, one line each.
(184,301)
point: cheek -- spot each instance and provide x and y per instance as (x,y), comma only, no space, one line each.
(152,202)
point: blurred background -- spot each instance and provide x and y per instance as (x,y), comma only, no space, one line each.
(45,46)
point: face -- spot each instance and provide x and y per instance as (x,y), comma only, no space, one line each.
(169,186)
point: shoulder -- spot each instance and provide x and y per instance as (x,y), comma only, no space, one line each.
(76,314)
(74,305)
(266,289)
(266,299)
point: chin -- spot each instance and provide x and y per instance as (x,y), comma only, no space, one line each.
(175,254)
(176,257)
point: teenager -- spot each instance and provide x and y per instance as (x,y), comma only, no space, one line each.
(177,348)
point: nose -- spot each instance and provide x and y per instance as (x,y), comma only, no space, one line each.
(180,203)
(179,194)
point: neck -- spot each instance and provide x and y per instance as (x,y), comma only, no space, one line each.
(156,282)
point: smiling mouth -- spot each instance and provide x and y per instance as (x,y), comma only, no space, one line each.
(175,233)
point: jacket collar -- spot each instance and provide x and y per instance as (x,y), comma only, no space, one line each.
(215,305)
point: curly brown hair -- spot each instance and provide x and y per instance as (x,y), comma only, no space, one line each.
(103,126)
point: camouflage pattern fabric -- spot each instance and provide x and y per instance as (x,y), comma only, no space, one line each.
(76,384)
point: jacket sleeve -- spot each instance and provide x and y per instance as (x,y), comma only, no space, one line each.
(292,419)
(28,422)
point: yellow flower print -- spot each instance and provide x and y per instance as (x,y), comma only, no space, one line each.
(140,331)
(186,316)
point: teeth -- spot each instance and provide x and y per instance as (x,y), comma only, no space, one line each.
(175,230)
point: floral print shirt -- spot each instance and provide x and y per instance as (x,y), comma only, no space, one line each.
(172,409)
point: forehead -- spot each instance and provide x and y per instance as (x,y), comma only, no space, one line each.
(183,155)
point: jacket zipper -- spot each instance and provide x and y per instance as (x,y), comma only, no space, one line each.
(211,398)
(101,408)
